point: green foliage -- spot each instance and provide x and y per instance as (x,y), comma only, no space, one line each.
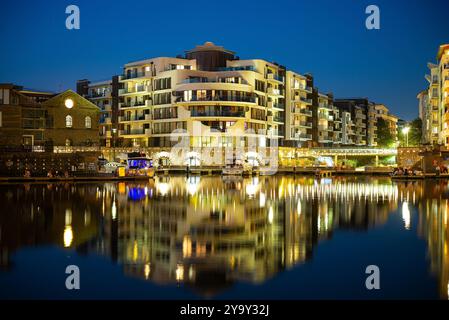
(384,137)
(414,135)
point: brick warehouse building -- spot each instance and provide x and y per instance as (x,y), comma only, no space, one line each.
(36,127)
(31,118)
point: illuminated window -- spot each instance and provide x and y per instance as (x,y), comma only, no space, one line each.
(88,122)
(68,121)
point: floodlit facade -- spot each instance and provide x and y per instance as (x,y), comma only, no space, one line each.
(382,112)
(104,94)
(210,98)
(434,101)
(363,120)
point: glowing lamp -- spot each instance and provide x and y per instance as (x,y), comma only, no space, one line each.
(68,103)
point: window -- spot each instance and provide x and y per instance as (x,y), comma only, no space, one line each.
(88,122)
(0,118)
(68,121)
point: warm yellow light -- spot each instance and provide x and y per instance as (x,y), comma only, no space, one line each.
(405,130)
(163,188)
(68,236)
(179,272)
(114,211)
(270,215)
(68,103)
(406,215)
(147,270)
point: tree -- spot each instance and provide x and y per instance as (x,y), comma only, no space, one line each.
(385,138)
(414,134)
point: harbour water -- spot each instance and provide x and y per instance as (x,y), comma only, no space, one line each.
(198,237)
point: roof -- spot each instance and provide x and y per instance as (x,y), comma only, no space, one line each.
(78,97)
(441,50)
(209,46)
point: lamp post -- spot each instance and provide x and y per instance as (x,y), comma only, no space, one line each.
(405,131)
(114,132)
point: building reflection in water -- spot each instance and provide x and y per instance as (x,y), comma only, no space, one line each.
(209,232)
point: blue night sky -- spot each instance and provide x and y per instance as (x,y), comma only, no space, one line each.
(327,38)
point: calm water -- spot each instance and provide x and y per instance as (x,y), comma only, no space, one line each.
(210,237)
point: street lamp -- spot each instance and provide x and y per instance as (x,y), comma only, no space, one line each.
(405,131)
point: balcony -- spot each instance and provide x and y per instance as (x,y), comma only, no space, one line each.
(276,105)
(219,98)
(133,90)
(136,104)
(278,119)
(134,75)
(141,117)
(303,111)
(305,124)
(207,80)
(274,92)
(303,136)
(325,128)
(323,116)
(305,100)
(240,114)
(272,76)
(238,68)
(95,95)
(133,132)
(106,108)
(325,106)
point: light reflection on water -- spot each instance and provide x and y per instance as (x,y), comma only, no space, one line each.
(211,232)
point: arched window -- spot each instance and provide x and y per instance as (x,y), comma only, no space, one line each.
(68,121)
(88,122)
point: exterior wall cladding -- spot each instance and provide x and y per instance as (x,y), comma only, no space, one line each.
(213,98)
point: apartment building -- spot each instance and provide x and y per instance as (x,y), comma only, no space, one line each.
(363,119)
(429,119)
(434,101)
(300,112)
(382,112)
(443,67)
(104,94)
(210,97)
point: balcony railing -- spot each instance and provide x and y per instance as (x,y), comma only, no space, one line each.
(304,111)
(133,118)
(217,114)
(137,89)
(274,91)
(218,98)
(303,136)
(238,68)
(133,75)
(132,132)
(146,103)
(206,80)
(305,124)
(273,76)
(305,100)
(104,94)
